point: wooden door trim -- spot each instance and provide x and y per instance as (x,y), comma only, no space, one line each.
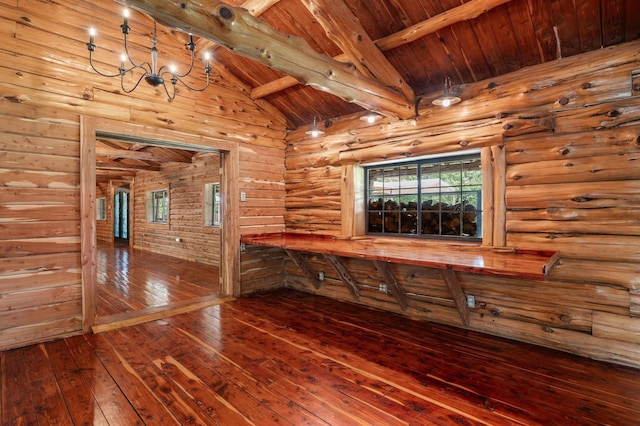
(230,239)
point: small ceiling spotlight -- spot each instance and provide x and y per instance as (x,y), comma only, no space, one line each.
(450,96)
(315,131)
(371,117)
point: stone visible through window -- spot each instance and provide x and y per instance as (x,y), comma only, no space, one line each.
(436,197)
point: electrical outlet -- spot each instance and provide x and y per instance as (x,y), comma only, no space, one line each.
(243,247)
(383,288)
(243,196)
(321,276)
(471,301)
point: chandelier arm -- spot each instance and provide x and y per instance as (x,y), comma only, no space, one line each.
(98,71)
(134,87)
(126,52)
(170,96)
(177,78)
(193,54)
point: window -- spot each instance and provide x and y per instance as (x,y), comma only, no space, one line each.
(212,200)
(436,197)
(158,206)
(101,209)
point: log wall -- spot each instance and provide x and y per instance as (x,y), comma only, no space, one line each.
(185,183)
(46,84)
(564,138)
(104,228)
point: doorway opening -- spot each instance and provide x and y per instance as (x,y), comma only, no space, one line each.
(130,226)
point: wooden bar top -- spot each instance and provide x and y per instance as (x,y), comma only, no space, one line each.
(503,261)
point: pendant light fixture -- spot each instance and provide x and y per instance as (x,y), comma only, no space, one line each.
(149,71)
(315,131)
(450,95)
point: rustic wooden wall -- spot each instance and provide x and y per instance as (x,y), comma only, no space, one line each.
(569,136)
(46,85)
(185,183)
(104,228)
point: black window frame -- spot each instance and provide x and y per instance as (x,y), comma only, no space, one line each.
(393,218)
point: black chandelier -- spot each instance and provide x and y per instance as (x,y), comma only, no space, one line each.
(150,72)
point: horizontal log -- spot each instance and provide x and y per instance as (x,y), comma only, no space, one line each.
(575,214)
(616,327)
(39,314)
(547,315)
(574,195)
(587,169)
(589,296)
(602,227)
(615,248)
(621,273)
(40,332)
(38,297)
(602,116)
(621,140)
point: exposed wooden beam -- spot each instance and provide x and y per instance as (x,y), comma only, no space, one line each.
(159,156)
(345,29)
(465,12)
(251,37)
(105,164)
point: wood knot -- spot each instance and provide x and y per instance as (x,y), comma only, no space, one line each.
(492,85)
(566,318)
(581,199)
(638,140)
(501,115)
(564,151)
(463,143)
(25,18)
(586,86)
(225,12)
(495,312)
(548,329)
(13,99)
(563,101)
(507,126)
(613,113)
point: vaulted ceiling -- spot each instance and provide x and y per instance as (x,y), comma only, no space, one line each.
(382,55)
(411,46)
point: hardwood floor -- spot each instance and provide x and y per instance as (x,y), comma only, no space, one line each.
(132,280)
(287,357)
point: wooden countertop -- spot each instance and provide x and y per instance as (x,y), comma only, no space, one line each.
(504,261)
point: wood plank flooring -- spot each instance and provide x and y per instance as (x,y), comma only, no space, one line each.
(132,280)
(290,358)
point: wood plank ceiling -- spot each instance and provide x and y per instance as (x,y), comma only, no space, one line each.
(405,47)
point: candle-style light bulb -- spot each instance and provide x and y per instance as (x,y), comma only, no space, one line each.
(92,34)
(123,58)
